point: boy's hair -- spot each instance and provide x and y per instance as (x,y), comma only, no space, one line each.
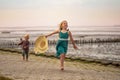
(60,25)
(26,36)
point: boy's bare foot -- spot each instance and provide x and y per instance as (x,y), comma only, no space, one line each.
(23,58)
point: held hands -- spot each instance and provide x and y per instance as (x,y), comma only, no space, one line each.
(25,47)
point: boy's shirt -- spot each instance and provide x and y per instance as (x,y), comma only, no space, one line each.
(25,45)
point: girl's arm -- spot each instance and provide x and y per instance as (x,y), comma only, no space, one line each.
(71,38)
(55,32)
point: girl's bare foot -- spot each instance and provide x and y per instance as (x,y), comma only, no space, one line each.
(62,68)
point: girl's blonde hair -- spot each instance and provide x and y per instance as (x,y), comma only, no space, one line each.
(60,25)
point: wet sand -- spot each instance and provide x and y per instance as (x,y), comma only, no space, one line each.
(42,68)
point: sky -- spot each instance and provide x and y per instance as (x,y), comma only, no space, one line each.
(52,12)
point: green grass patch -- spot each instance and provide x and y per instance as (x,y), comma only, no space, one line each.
(81,60)
(4,78)
(47,56)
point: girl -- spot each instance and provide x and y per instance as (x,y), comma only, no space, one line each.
(62,43)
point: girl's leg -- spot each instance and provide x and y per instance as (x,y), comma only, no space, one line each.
(62,58)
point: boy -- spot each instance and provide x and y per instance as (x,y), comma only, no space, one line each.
(25,46)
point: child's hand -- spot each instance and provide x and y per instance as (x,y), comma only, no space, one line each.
(25,47)
(75,47)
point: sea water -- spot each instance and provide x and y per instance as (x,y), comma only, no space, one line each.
(111,51)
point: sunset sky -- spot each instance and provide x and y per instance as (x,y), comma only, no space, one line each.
(52,12)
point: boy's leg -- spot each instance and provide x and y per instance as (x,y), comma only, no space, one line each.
(23,54)
(27,55)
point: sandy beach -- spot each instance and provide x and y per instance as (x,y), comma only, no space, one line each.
(43,68)
(86,31)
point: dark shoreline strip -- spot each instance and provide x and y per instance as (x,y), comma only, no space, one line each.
(82,59)
(4,78)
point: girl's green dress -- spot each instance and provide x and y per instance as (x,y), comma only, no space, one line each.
(62,44)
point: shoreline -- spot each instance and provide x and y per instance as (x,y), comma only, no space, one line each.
(70,57)
(4,78)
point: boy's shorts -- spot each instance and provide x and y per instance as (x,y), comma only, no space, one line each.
(25,52)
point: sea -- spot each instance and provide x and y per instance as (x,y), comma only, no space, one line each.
(107,50)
